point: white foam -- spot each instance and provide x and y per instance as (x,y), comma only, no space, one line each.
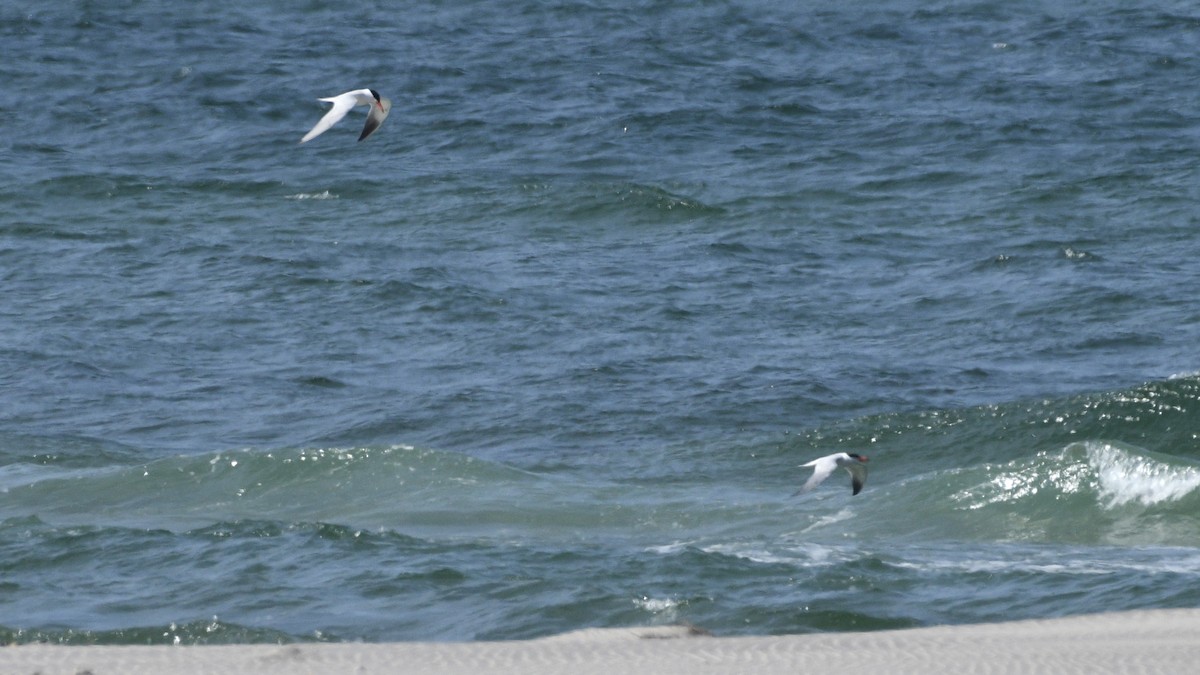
(1125,477)
(1063,563)
(807,554)
(1186,375)
(668,549)
(844,514)
(313,195)
(752,554)
(657,605)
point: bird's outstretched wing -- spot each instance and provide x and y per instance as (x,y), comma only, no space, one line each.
(341,105)
(858,476)
(821,469)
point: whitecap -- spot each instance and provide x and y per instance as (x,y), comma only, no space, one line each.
(753,554)
(838,517)
(657,605)
(1185,375)
(668,549)
(1125,477)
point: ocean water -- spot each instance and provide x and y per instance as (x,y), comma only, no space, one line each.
(546,351)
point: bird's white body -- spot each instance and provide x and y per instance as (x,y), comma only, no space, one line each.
(343,103)
(823,467)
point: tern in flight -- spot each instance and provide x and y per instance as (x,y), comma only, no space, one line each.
(856,465)
(342,103)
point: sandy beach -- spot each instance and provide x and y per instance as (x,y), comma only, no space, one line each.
(1159,641)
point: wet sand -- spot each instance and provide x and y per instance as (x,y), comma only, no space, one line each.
(1157,641)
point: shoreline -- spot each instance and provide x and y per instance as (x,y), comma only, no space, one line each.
(1150,641)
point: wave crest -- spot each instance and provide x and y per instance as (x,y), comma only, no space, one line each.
(1124,476)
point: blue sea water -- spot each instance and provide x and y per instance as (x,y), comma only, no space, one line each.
(547,350)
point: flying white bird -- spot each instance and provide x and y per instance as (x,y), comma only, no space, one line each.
(342,103)
(856,465)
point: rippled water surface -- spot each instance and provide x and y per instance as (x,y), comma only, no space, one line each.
(547,350)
